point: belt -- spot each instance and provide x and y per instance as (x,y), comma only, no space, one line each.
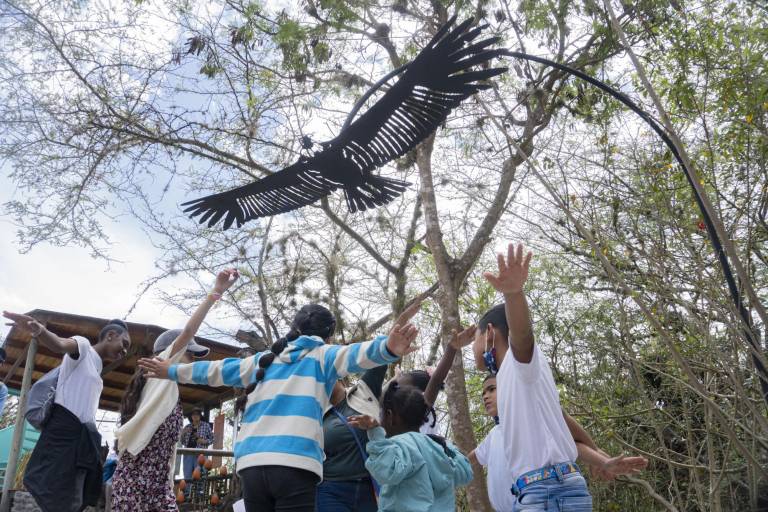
(545,473)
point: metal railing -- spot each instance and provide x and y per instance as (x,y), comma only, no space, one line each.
(211,487)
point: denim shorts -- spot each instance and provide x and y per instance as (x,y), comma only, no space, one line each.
(567,494)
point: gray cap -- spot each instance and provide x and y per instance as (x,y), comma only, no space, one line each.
(166,339)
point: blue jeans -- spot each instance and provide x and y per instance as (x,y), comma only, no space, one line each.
(346,496)
(568,493)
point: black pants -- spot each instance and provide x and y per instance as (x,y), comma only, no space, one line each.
(278,489)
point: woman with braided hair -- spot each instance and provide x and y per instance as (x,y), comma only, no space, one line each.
(151,419)
(279,449)
(417,472)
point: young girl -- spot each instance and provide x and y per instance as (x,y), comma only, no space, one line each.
(539,450)
(279,449)
(64,472)
(151,419)
(417,472)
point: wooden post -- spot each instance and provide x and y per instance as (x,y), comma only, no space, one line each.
(18,431)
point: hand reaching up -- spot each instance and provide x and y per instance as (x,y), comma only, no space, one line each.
(513,272)
(461,339)
(403,333)
(225,279)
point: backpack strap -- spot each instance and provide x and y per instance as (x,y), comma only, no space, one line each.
(359,444)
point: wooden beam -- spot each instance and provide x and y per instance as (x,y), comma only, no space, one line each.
(13,456)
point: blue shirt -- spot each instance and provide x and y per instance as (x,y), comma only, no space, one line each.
(283,419)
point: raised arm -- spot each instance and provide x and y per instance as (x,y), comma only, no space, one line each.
(458,341)
(53,342)
(340,361)
(513,273)
(224,280)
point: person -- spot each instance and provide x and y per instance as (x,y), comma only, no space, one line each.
(64,472)
(539,450)
(3,387)
(279,449)
(490,453)
(432,383)
(196,434)
(417,472)
(151,419)
(347,486)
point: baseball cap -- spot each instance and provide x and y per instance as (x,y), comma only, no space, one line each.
(166,339)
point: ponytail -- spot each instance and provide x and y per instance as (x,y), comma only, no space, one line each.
(264,361)
(408,404)
(442,442)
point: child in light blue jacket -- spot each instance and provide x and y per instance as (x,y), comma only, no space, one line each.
(417,472)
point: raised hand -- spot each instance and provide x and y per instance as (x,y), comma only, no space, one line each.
(363,422)
(225,279)
(461,339)
(400,339)
(24,322)
(156,368)
(513,272)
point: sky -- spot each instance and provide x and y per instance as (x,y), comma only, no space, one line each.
(68,279)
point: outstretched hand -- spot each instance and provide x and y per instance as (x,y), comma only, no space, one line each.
(24,322)
(624,465)
(156,368)
(403,333)
(513,272)
(363,422)
(461,339)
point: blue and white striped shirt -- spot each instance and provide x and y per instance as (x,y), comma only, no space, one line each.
(283,419)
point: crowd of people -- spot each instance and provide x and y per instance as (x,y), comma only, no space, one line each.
(306,441)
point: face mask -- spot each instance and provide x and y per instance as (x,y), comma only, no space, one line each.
(489,356)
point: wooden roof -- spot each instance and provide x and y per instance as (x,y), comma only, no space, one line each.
(117,374)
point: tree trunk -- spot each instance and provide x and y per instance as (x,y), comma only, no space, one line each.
(448,297)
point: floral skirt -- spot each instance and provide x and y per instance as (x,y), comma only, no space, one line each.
(141,483)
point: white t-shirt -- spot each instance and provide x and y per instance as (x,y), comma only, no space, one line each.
(531,419)
(490,453)
(80,384)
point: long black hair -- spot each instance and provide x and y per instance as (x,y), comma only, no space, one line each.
(130,401)
(408,404)
(419,379)
(310,320)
